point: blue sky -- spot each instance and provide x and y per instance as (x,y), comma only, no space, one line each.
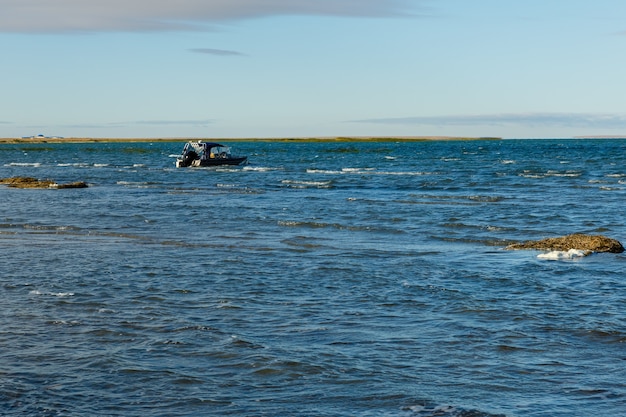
(300,68)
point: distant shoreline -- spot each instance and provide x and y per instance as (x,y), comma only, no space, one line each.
(38,139)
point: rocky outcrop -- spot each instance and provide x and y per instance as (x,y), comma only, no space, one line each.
(587,243)
(29,182)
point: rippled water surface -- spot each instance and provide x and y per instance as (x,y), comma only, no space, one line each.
(342,279)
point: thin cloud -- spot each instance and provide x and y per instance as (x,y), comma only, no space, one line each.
(595,120)
(60,16)
(220,52)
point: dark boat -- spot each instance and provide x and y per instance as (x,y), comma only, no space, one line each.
(207,154)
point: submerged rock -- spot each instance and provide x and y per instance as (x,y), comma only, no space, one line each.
(76,184)
(29,182)
(577,241)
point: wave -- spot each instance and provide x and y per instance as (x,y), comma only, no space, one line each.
(365,171)
(54,294)
(490,228)
(39,227)
(446,411)
(74,164)
(452,199)
(550,173)
(23,164)
(223,185)
(262,169)
(138,184)
(338,226)
(307,184)
(563,255)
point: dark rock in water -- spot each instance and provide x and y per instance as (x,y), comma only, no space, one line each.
(588,243)
(77,184)
(29,182)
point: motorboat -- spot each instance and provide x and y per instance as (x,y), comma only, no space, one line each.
(207,154)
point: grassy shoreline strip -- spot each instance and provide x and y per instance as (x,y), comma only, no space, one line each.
(295,139)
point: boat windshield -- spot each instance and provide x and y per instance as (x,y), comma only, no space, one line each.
(207,150)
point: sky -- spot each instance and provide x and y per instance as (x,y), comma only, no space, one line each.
(312,68)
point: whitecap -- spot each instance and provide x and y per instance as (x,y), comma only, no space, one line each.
(260,169)
(306,184)
(24,164)
(74,164)
(558,255)
(322,171)
(62,294)
(55,294)
(138,184)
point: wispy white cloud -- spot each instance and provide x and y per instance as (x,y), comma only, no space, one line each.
(150,15)
(577,120)
(220,52)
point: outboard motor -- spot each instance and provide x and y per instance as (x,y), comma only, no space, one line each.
(188,158)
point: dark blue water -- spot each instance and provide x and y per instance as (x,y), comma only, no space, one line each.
(344,279)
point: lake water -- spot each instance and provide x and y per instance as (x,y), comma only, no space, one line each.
(321,279)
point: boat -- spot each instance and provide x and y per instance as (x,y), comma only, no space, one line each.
(207,154)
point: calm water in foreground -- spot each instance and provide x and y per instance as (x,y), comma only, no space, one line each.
(345,279)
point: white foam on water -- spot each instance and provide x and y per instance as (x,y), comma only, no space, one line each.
(133,183)
(261,169)
(558,255)
(24,164)
(364,171)
(322,171)
(306,184)
(55,294)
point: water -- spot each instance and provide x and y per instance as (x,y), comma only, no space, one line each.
(343,279)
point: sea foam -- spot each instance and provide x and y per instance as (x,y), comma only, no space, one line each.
(558,255)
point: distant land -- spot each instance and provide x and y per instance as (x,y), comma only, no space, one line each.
(57,139)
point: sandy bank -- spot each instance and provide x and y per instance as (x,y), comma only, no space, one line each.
(295,139)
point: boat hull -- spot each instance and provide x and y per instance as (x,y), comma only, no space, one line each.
(212,162)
